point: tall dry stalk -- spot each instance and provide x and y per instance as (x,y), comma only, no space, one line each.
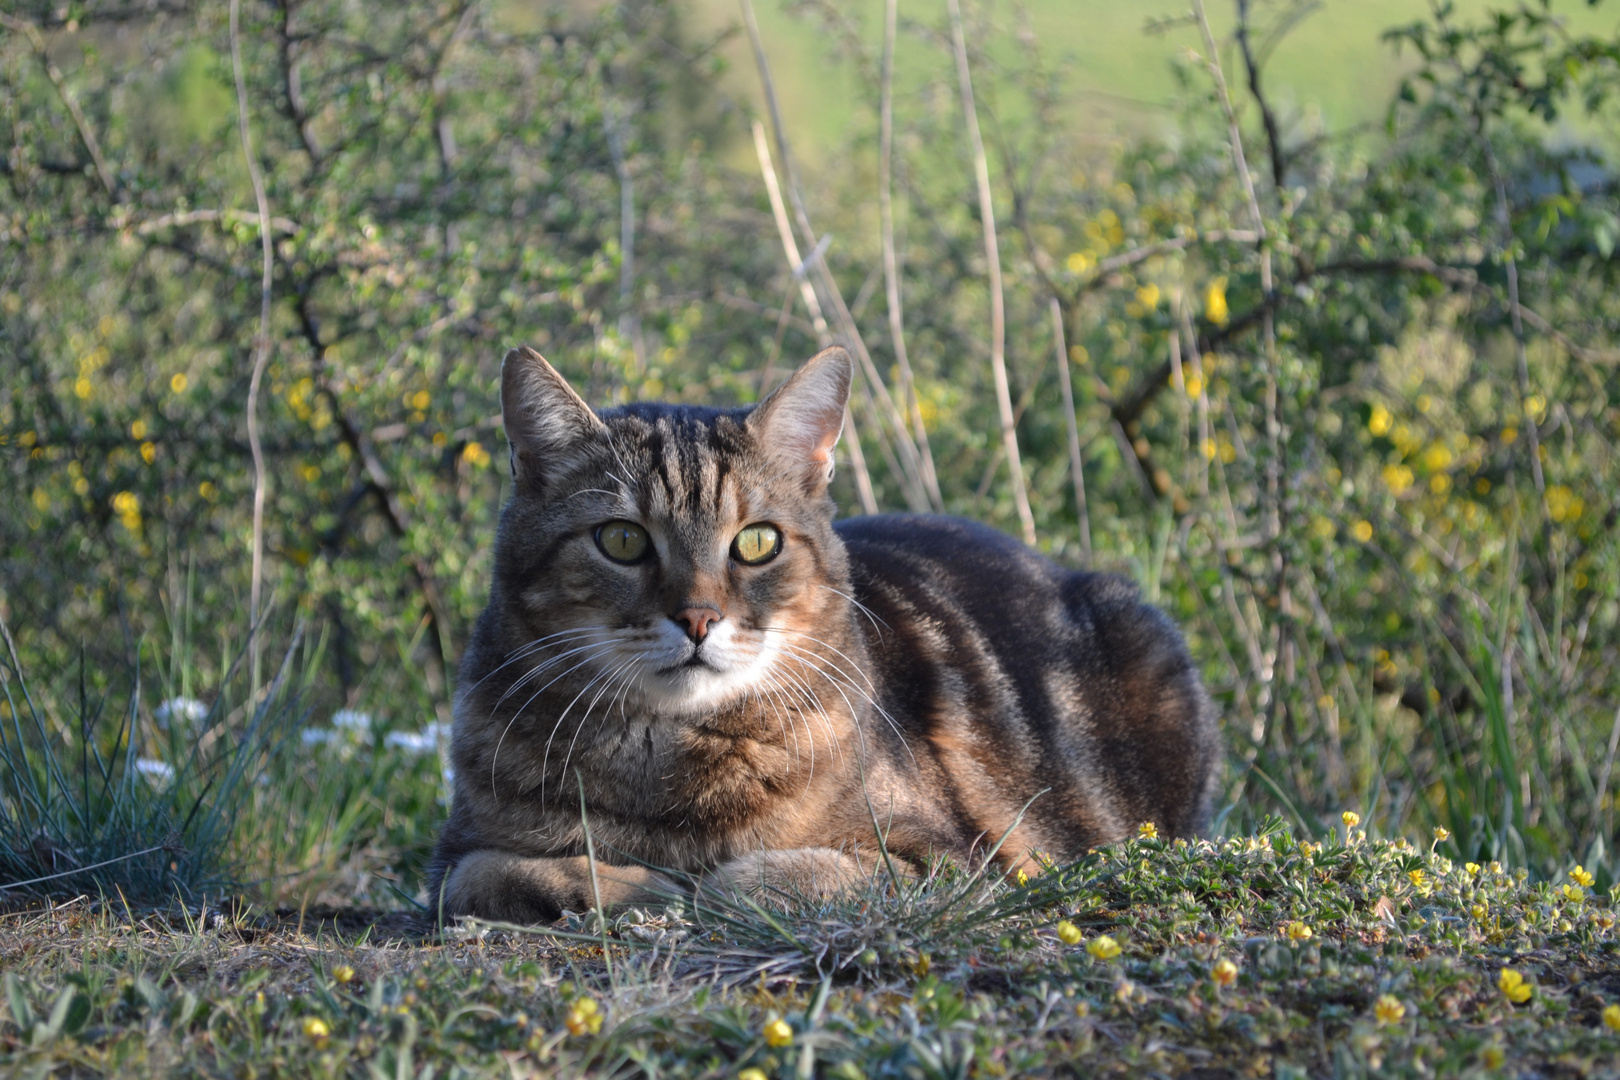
(796,267)
(906,459)
(891,262)
(261,344)
(1075,464)
(992,255)
(1281,646)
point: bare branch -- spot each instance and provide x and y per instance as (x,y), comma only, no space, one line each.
(1075,465)
(891,263)
(87,135)
(790,248)
(992,254)
(261,343)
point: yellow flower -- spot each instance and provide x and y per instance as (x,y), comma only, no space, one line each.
(1362,531)
(1389,1010)
(316,1031)
(343,973)
(475,455)
(1513,986)
(1471,867)
(584,1016)
(1080,261)
(751,1073)
(1573,893)
(1224,972)
(1493,1057)
(1068,933)
(777,1033)
(1581,877)
(1148,831)
(1215,309)
(1350,818)
(1103,947)
(179,382)
(1380,421)
(1417,877)
(1297,931)
(1441,834)
(1479,912)
(1023,878)
(1611,1017)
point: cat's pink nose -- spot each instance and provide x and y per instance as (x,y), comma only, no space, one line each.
(697,621)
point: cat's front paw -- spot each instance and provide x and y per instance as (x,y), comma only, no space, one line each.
(781,877)
(500,886)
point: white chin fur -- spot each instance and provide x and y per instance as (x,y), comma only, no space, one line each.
(733,665)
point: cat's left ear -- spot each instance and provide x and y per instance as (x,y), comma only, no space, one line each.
(546,422)
(799,423)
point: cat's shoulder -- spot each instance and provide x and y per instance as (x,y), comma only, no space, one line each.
(942,546)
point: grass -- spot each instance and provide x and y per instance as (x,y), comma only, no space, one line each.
(1250,956)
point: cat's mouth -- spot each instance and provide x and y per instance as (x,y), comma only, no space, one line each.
(695,661)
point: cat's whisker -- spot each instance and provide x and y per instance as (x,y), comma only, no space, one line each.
(800,694)
(759,692)
(583,720)
(532,647)
(810,658)
(793,719)
(545,756)
(495,756)
(871,616)
(633,680)
(540,669)
(826,645)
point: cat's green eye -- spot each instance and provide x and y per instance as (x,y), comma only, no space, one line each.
(756,544)
(623,541)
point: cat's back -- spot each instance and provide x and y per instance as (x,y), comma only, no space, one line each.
(1083,685)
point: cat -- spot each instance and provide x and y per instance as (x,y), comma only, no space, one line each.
(684,653)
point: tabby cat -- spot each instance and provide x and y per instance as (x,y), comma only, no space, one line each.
(680,637)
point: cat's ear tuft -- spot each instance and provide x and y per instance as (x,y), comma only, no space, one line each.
(799,423)
(546,422)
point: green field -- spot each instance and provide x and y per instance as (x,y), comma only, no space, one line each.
(1332,70)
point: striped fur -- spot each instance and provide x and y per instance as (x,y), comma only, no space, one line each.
(927,671)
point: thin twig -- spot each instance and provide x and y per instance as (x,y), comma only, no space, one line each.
(909,475)
(629,320)
(1511,263)
(4,886)
(1074,431)
(1608,767)
(261,344)
(87,134)
(790,248)
(992,255)
(891,262)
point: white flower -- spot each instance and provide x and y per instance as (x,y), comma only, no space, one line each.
(425,741)
(317,736)
(158,772)
(179,708)
(352,720)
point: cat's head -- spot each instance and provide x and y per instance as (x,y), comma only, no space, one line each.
(672,558)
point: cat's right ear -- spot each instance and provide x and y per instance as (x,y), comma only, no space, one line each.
(799,423)
(546,422)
